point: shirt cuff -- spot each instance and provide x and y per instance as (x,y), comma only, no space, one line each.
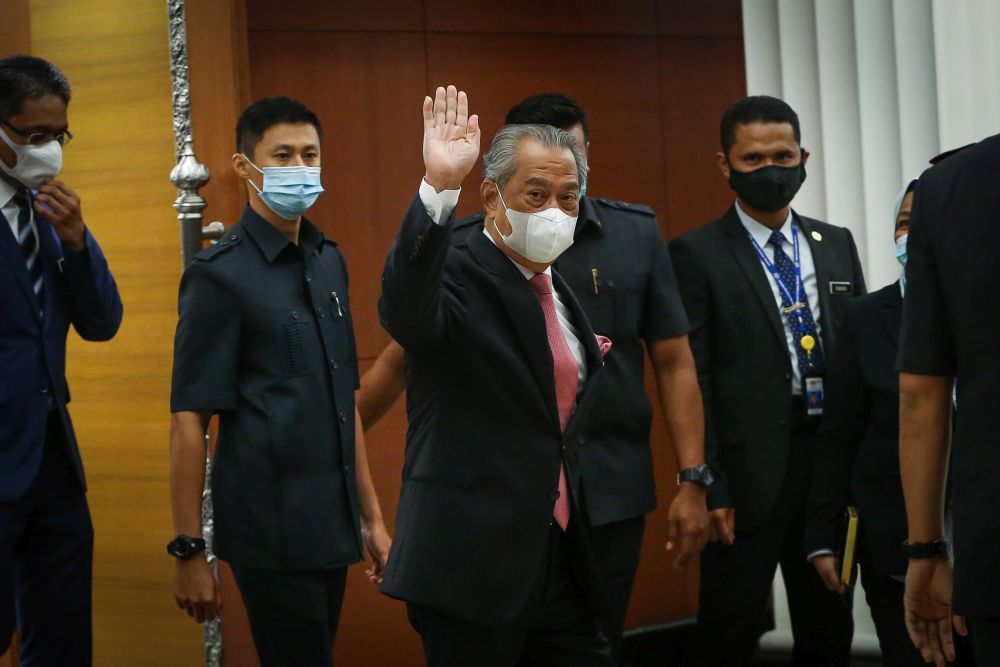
(439,205)
(819,552)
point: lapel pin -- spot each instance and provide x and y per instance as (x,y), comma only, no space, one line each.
(817,236)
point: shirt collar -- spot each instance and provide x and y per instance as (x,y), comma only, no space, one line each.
(271,241)
(7,192)
(762,233)
(526,272)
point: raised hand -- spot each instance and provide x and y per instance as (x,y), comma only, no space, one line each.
(451,139)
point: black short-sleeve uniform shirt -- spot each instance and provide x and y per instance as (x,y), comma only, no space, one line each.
(620,271)
(951,314)
(265,340)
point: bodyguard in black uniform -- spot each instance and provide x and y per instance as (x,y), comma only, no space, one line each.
(620,271)
(950,318)
(265,341)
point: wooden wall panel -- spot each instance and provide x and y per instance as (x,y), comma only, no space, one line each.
(587,17)
(620,94)
(15,28)
(219,74)
(705,18)
(323,15)
(15,38)
(711,75)
(366,89)
(115,54)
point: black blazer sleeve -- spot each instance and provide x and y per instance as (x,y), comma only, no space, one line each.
(859,275)
(846,416)
(413,306)
(697,296)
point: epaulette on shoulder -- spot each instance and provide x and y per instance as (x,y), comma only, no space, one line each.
(223,245)
(626,206)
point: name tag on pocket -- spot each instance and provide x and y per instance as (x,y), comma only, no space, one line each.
(841,288)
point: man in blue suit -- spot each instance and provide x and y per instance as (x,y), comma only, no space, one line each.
(52,274)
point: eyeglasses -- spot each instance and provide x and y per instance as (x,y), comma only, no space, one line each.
(40,138)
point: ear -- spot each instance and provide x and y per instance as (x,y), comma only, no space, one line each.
(805,155)
(494,209)
(720,159)
(241,166)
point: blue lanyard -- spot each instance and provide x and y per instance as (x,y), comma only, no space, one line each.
(774,270)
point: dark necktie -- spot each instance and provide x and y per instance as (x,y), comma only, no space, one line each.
(566,374)
(27,238)
(786,271)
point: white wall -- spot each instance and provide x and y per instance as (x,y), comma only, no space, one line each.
(880,86)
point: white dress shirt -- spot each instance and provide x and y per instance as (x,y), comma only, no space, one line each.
(439,206)
(762,234)
(9,208)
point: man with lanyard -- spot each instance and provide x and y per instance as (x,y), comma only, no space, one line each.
(764,289)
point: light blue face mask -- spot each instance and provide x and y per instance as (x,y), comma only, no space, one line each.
(288,191)
(901,249)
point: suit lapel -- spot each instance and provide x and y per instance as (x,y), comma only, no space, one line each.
(10,248)
(749,262)
(527,318)
(821,260)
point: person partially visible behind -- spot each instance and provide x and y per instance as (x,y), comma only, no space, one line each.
(52,275)
(266,341)
(951,314)
(857,456)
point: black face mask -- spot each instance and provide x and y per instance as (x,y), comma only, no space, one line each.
(768,188)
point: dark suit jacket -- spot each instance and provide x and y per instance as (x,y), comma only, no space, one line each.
(857,449)
(636,303)
(951,316)
(738,341)
(484,443)
(79,290)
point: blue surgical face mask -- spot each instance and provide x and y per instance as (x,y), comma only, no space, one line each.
(288,191)
(901,249)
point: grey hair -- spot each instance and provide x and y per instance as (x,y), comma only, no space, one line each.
(500,161)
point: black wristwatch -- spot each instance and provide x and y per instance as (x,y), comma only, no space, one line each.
(183,547)
(919,550)
(700,475)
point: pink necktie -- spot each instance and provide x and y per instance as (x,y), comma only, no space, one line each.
(566,374)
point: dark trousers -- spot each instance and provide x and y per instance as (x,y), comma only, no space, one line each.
(985,636)
(736,581)
(293,615)
(557,627)
(46,558)
(616,548)
(885,598)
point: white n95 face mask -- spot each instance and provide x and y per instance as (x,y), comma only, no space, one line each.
(35,164)
(538,237)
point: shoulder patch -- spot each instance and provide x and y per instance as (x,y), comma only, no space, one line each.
(626,206)
(224,244)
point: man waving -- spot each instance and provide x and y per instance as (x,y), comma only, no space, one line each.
(490,554)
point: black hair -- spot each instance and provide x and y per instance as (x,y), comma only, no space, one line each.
(263,114)
(27,78)
(553,109)
(756,109)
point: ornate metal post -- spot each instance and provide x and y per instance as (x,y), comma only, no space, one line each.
(188,176)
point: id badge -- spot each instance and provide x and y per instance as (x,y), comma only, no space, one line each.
(814,396)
